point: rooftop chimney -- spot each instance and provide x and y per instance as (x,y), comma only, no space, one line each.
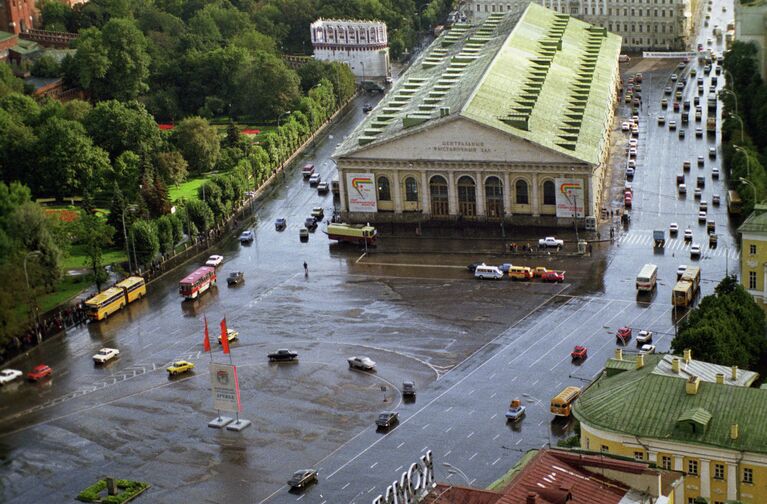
(687,356)
(640,361)
(691,387)
(618,354)
(720,378)
(532,498)
(675,364)
(734,374)
(734,431)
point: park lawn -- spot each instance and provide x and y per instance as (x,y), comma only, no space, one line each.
(66,288)
(77,258)
(187,190)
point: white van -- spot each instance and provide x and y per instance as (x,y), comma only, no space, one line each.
(647,277)
(624,58)
(491,272)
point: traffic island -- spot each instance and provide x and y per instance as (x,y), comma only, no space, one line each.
(113,491)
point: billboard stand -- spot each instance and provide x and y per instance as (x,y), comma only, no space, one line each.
(219,422)
(239,423)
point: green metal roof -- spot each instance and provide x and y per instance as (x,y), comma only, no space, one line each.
(26,47)
(647,404)
(546,78)
(5,35)
(756,222)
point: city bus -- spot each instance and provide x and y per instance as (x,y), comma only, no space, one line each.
(562,403)
(197,282)
(134,288)
(105,303)
(734,203)
(647,277)
(682,294)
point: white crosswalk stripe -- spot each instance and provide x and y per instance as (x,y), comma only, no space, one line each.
(640,239)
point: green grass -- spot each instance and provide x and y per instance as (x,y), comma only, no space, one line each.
(187,190)
(66,288)
(78,259)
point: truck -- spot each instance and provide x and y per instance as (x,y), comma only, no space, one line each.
(659,238)
(352,233)
(550,241)
(711,125)
(682,294)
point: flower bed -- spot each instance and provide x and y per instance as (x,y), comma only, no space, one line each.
(127,491)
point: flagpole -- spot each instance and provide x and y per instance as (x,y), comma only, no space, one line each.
(236,413)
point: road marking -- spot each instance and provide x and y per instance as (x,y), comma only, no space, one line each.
(492,376)
(448,429)
(515,378)
(493,395)
(301,497)
(374,464)
(520,440)
(371,489)
(472,411)
(424,426)
(470,434)
(495,415)
(535,383)
(397,470)
(475,454)
(448,453)
(496,461)
(448,409)
(496,437)
(472,481)
(400,445)
(346,485)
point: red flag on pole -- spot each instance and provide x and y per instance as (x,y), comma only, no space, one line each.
(206,340)
(224,336)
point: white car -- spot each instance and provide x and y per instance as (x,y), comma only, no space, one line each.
(680,271)
(673,228)
(712,152)
(314,179)
(647,349)
(698,194)
(635,130)
(673,77)
(644,336)
(699,132)
(8,375)
(633,142)
(702,217)
(214,260)
(682,188)
(105,355)
(632,163)
(701,161)
(695,251)
(551,241)
(625,126)
(632,152)
(661,120)
(672,125)
(715,172)
(688,234)
(361,362)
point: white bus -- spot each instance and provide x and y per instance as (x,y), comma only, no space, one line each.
(647,277)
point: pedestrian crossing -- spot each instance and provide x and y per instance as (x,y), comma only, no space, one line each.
(645,239)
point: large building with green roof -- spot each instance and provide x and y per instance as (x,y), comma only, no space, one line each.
(753,257)
(695,417)
(507,120)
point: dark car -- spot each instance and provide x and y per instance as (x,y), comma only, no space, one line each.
(310,223)
(408,389)
(235,278)
(280,224)
(473,266)
(282,355)
(318,213)
(303,478)
(367,108)
(387,419)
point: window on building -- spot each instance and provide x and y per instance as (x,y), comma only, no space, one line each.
(691,500)
(494,197)
(549,193)
(493,7)
(752,280)
(752,249)
(520,188)
(440,206)
(467,196)
(605,448)
(640,15)
(748,475)
(638,455)
(384,189)
(719,471)
(411,189)
(665,462)
(692,467)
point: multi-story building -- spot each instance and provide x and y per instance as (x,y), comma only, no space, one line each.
(363,45)
(643,24)
(17,16)
(751,26)
(698,418)
(506,121)
(753,253)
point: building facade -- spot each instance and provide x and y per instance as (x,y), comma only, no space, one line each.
(501,122)
(17,16)
(751,26)
(644,24)
(753,255)
(363,45)
(700,419)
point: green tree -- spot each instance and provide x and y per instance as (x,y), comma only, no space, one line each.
(127,173)
(267,87)
(9,83)
(198,142)
(46,66)
(32,228)
(18,144)
(123,126)
(115,217)
(56,16)
(165,234)
(145,240)
(171,166)
(199,214)
(95,234)
(23,108)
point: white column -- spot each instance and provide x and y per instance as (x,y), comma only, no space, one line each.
(705,478)
(506,194)
(732,482)
(397,191)
(452,194)
(480,194)
(534,197)
(425,207)
(342,189)
(679,490)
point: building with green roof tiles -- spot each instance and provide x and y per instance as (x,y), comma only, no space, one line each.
(699,418)
(507,120)
(753,258)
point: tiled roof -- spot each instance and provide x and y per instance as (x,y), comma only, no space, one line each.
(546,78)
(756,222)
(5,35)
(450,494)
(641,402)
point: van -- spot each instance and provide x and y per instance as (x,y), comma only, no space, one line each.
(624,58)
(520,273)
(307,170)
(561,404)
(484,271)
(647,277)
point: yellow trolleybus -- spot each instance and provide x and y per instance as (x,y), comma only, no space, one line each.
(561,404)
(105,303)
(134,287)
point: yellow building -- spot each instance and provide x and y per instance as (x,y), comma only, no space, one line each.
(753,253)
(701,419)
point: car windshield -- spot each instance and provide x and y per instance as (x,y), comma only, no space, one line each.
(384,416)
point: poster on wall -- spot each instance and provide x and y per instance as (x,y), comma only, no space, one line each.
(570,194)
(361,190)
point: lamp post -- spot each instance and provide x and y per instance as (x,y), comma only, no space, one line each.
(29,289)
(287,112)
(125,235)
(746,181)
(725,90)
(363,70)
(454,470)
(738,118)
(574,203)
(748,160)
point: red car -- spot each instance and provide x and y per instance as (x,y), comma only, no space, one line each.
(623,335)
(553,276)
(39,372)
(579,352)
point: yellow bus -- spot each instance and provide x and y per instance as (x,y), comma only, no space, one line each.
(561,404)
(682,294)
(520,273)
(134,287)
(105,303)
(734,203)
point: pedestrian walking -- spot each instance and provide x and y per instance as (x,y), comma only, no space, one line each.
(306,269)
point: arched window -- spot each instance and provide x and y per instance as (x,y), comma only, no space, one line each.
(549,193)
(411,189)
(438,193)
(520,188)
(494,197)
(467,196)
(384,190)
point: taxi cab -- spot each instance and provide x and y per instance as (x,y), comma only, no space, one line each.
(179,366)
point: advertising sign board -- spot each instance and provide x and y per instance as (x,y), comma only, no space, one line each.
(225,387)
(569,193)
(361,190)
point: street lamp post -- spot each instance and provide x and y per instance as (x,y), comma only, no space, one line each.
(737,117)
(725,90)
(574,203)
(748,160)
(125,235)
(29,289)
(454,470)
(746,181)
(287,112)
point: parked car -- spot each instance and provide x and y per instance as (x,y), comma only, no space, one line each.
(310,223)
(712,152)
(280,223)
(303,234)
(408,389)
(282,355)
(686,165)
(647,349)
(235,278)
(247,236)
(673,228)
(323,188)
(214,260)
(644,336)
(516,411)
(303,478)
(8,375)
(361,362)
(105,355)
(623,335)
(387,419)
(695,251)
(39,372)
(179,366)
(367,108)
(698,193)
(551,241)
(307,170)
(680,271)
(681,134)
(553,276)
(314,179)
(579,352)
(231,335)
(629,173)
(715,200)
(688,234)
(625,126)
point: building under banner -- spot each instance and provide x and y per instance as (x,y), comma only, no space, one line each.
(508,120)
